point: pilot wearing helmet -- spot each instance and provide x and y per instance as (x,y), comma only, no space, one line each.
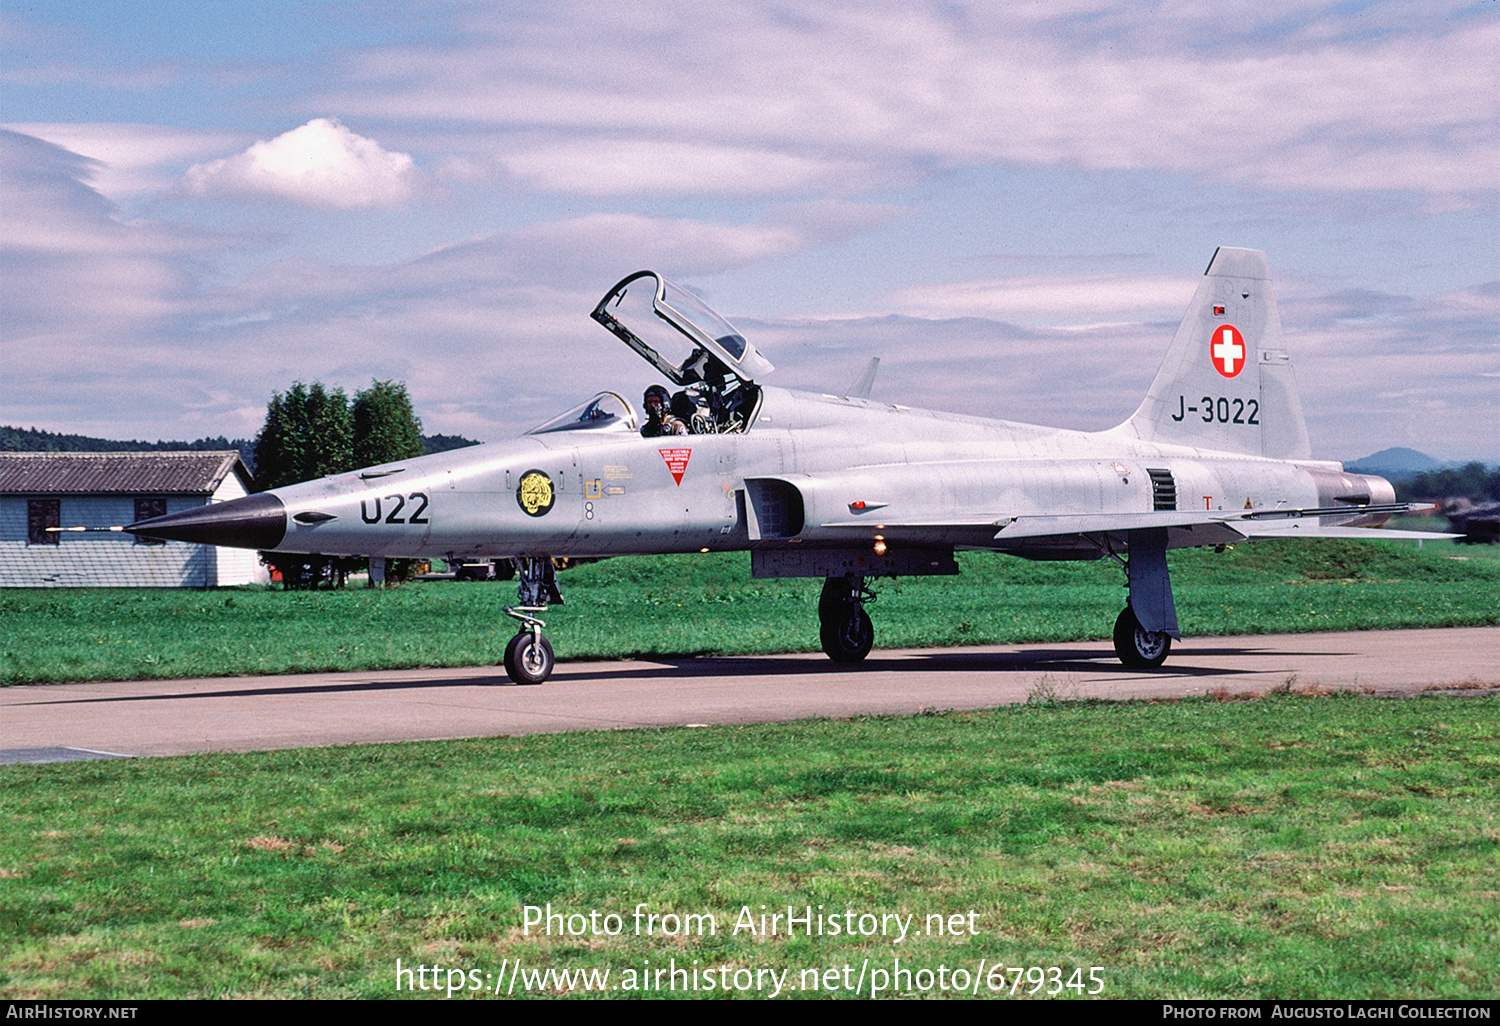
(659,419)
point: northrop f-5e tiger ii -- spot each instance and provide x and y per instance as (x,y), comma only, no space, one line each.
(844,487)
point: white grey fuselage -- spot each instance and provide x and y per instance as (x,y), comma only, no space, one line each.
(924,479)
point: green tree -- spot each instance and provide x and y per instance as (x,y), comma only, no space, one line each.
(1472,481)
(309,433)
(386,429)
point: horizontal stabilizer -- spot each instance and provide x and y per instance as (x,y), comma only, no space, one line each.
(1301,529)
(1384,509)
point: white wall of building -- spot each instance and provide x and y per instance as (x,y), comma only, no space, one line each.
(97,559)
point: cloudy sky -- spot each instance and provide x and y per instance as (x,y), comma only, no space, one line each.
(1009,203)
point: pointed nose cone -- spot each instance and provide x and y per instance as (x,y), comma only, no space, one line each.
(254,522)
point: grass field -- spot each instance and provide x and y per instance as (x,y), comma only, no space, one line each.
(1339,846)
(1291,847)
(685,605)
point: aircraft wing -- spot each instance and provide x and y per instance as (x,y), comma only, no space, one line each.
(1109,523)
(1204,528)
(1274,523)
(1184,527)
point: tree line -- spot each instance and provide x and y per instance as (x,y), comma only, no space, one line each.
(311,432)
(1472,481)
(17,439)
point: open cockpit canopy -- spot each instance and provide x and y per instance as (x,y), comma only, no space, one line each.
(678,332)
(679,335)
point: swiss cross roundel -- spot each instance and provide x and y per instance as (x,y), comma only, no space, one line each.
(1226,348)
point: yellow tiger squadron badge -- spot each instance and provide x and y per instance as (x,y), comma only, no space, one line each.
(535,493)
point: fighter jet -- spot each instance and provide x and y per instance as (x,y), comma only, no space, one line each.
(844,487)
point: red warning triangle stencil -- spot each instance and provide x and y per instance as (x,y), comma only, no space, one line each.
(677,461)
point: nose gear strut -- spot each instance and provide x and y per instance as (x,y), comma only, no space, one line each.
(528,655)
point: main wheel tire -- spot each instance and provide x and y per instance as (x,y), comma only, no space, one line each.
(1137,647)
(847,634)
(528,663)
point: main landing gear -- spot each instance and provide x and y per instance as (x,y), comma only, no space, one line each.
(1146,626)
(1138,648)
(528,656)
(846,630)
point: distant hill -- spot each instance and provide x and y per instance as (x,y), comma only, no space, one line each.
(442,443)
(1394,464)
(13,439)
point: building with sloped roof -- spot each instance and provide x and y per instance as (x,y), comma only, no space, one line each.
(99,490)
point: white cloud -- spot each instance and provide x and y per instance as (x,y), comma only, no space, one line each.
(115,336)
(1373,370)
(615,167)
(321,164)
(66,263)
(91,304)
(595,250)
(1416,369)
(643,113)
(132,160)
(1269,94)
(1054,300)
(494,332)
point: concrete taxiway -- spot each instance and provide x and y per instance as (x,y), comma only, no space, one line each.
(175,717)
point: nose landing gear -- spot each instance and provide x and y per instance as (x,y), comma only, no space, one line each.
(528,655)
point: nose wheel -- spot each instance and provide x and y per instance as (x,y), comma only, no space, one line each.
(528,656)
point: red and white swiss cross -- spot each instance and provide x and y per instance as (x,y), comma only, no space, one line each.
(1226,348)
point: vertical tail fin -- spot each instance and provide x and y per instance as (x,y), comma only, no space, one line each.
(866,380)
(1226,383)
